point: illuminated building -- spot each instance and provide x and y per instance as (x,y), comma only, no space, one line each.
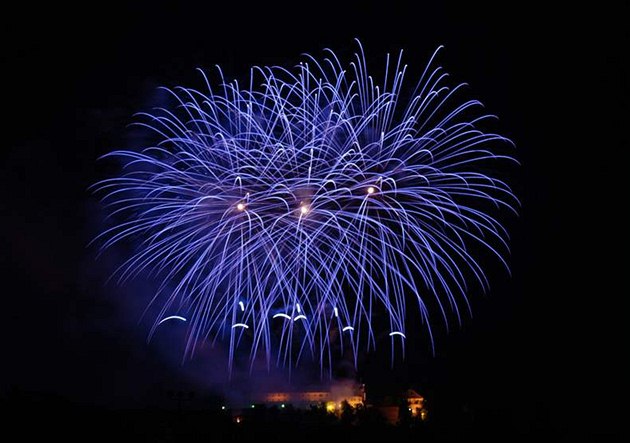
(416,404)
(331,399)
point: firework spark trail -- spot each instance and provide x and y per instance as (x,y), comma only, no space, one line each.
(277,214)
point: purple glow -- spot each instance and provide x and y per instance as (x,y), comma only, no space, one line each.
(319,184)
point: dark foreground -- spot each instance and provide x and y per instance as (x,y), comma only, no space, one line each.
(44,419)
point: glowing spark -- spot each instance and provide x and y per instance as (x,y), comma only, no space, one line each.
(347,328)
(300,317)
(288,317)
(172,317)
(240,206)
(371,190)
(304,209)
(240,303)
(336,312)
(299,309)
(240,325)
(391,334)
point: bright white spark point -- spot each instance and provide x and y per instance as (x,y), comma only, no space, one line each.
(282,315)
(240,206)
(240,303)
(300,317)
(371,190)
(391,334)
(299,309)
(304,209)
(240,325)
(348,328)
(172,317)
(336,312)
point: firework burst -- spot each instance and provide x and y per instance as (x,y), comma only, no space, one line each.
(284,217)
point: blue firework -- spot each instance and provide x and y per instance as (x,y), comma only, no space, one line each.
(284,217)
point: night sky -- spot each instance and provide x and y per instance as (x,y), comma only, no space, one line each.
(543,349)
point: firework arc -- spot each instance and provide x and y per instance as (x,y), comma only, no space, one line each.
(172,317)
(310,202)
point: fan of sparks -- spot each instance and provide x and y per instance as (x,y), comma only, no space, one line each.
(310,211)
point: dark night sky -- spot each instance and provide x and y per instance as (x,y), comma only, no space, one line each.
(543,349)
